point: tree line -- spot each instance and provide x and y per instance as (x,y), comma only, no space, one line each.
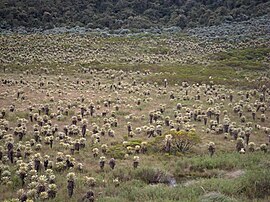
(127,14)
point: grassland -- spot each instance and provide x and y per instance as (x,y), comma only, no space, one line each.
(70,72)
(181,56)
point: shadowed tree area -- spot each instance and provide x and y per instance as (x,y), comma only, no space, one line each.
(132,14)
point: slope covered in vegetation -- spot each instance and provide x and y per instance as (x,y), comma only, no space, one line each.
(115,14)
(146,116)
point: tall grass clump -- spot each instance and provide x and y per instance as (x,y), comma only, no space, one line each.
(255,184)
(214,197)
(152,175)
(223,161)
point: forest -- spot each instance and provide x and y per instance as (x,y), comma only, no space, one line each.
(126,14)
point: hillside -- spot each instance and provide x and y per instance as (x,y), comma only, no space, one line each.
(149,101)
(128,14)
(150,118)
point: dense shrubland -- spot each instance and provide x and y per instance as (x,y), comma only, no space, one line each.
(127,14)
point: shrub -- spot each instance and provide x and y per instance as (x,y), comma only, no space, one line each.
(152,175)
(256,183)
(181,141)
(116,151)
(122,174)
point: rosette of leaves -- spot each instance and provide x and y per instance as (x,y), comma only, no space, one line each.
(263,148)
(80,166)
(60,157)
(90,181)
(144,147)
(70,183)
(21,195)
(71,176)
(95,152)
(52,190)
(32,194)
(176,141)
(6,177)
(102,160)
(129,150)
(116,182)
(22,172)
(239,144)
(137,149)
(82,142)
(104,148)
(136,160)
(60,166)
(43,195)
(211,148)
(251,146)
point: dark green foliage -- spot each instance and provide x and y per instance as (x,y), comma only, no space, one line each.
(116,151)
(215,196)
(246,59)
(152,175)
(251,54)
(122,174)
(133,143)
(132,14)
(16,182)
(256,184)
(222,161)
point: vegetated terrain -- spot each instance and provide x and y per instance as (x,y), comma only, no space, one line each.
(185,117)
(127,14)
